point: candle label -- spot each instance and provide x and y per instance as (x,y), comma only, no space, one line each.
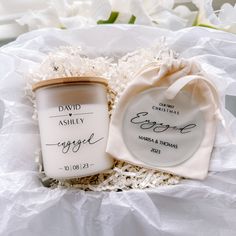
(75,137)
(163,132)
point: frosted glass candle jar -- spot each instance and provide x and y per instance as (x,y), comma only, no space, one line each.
(73,122)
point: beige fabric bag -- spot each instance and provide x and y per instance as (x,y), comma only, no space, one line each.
(166,119)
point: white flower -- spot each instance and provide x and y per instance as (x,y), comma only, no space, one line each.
(165,15)
(10,10)
(227,16)
(185,13)
(207,17)
(40,19)
(123,11)
(60,14)
(154,13)
(17,16)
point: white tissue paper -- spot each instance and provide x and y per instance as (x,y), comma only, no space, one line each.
(190,208)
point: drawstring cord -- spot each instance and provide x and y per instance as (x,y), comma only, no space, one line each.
(174,89)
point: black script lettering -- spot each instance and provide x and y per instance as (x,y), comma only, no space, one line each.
(158,127)
(186,129)
(75,145)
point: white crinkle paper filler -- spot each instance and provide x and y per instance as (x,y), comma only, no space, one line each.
(70,61)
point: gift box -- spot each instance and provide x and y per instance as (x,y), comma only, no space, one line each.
(28,208)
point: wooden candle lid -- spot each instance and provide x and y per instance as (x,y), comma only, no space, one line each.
(69,81)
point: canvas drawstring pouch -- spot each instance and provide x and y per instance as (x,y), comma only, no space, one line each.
(166,119)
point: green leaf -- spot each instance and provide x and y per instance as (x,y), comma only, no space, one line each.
(62,27)
(208,26)
(132,19)
(112,18)
(195,22)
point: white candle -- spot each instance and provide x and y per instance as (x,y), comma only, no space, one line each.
(73,122)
